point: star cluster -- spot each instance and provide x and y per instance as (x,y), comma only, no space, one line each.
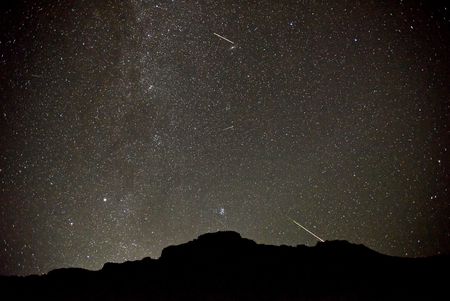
(128,126)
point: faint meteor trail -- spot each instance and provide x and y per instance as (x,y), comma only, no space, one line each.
(223,38)
(228,128)
(298,224)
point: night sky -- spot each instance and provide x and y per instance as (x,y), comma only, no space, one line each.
(128,126)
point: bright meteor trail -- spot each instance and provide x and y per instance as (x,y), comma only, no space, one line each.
(223,38)
(298,224)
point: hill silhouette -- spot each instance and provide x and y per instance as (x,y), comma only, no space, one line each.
(225,266)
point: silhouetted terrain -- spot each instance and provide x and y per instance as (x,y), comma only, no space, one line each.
(224,266)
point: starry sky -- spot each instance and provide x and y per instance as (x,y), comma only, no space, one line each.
(128,126)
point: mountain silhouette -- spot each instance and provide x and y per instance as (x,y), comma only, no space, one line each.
(225,266)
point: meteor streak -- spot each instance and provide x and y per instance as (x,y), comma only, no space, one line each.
(228,128)
(223,38)
(298,224)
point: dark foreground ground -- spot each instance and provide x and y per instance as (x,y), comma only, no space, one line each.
(224,266)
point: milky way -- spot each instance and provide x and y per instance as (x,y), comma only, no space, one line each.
(128,126)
